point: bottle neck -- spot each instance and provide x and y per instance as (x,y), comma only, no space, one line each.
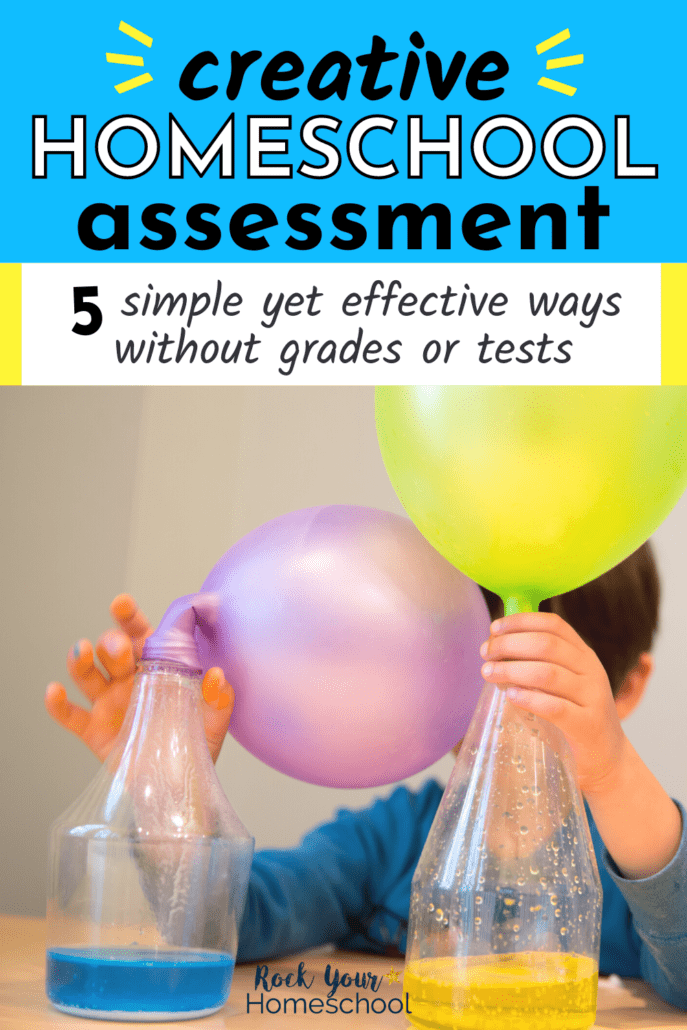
(494,710)
(164,713)
(159,782)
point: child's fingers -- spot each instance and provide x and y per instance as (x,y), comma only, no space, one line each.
(126,612)
(68,715)
(219,699)
(83,671)
(538,622)
(97,729)
(115,651)
(557,710)
(540,676)
(216,691)
(540,647)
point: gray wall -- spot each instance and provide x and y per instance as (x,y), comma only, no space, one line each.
(102,491)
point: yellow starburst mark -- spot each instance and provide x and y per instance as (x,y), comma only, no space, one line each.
(140,37)
(392,976)
(558,62)
(560,37)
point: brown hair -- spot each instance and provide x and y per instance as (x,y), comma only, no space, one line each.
(616,615)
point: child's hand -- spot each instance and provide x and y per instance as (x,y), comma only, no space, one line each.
(550,671)
(109,693)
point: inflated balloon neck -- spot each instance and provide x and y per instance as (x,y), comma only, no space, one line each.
(174,640)
(516,604)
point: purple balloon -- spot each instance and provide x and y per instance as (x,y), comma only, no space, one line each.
(351,644)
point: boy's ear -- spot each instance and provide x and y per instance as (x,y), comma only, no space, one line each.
(633,686)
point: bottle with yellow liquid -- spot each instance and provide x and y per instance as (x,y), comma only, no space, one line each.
(505,915)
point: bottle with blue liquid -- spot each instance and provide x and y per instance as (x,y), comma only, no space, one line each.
(149,867)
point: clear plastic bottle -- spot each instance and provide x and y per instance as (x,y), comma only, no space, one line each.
(149,867)
(505,916)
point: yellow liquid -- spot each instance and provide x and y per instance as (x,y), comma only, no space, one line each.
(528,991)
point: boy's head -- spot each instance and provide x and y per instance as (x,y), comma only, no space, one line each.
(617,616)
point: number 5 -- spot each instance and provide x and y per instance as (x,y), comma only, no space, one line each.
(86,328)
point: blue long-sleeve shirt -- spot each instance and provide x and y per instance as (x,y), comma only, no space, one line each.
(348,883)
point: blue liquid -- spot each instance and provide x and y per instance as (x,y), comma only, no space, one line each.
(128,980)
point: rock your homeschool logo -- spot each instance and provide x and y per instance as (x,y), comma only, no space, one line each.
(340,996)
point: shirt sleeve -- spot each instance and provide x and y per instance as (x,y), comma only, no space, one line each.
(658,905)
(318,892)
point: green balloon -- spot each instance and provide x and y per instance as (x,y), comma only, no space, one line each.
(534,490)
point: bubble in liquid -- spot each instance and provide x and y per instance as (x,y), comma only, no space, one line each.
(520,881)
(534,870)
(577,879)
(553,898)
(430,907)
(445,922)
(478,899)
(564,871)
(579,918)
(440,915)
(524,830)
(536,791)
(564,930)
(542,880)
(556,912)
(478,920)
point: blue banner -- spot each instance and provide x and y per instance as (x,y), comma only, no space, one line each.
(447,132)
